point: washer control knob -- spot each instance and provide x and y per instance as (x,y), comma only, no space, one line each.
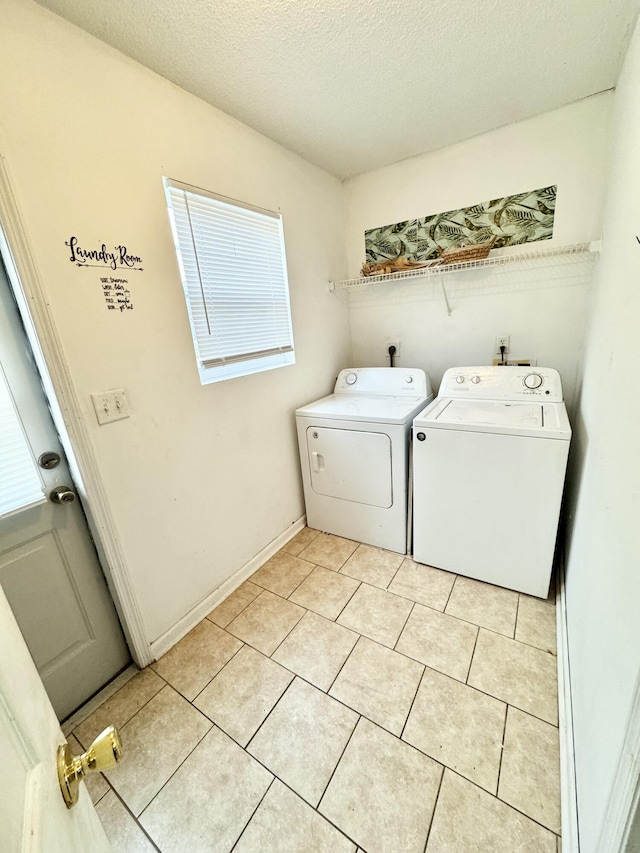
(475,379)
(351,378)
(420,436)
(460,379)
(409,379)
(533,380)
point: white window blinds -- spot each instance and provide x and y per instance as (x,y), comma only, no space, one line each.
(20,483)
(233,267)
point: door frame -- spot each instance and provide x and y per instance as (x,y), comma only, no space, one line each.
(26,283)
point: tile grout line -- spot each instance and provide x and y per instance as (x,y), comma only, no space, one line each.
(298,795)
(502,749)
(135,819)
(395,575)
(224,627)
(515,624)
(280,698)
(347,604)
(508,805)
(245,642)
(403,627)
(313,538)
(466,678)
(333,772)
(344,663)
(213,678)
(433,813)
(104,793)
(186,758)
(314,566)
(415,601)
(135,714)
(404,725)
(244,828)
(289,632)
(513,639)
(497,795)
(455,581)
(286,572)
(524,710)
(233,737)
(308,804)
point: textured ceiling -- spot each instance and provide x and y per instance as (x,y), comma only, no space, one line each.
(353,85)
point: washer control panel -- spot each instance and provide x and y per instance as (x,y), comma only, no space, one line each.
(502,383)
(385,381)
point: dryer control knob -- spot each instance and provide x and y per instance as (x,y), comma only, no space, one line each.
(351,378)
(475,379)
(460,379)
(533,380)
(409,379)
(420,436)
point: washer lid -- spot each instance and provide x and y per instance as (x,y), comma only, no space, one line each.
(492,413)
(540,420)
(359,407)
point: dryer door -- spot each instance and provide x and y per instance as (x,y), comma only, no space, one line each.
(351,465)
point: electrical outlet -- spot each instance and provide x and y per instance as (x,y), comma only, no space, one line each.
(110,405)
(395,344)
(502,341)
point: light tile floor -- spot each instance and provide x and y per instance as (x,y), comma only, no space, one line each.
(343,699)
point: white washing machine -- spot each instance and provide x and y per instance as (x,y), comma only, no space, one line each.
(489,461)
(354,453)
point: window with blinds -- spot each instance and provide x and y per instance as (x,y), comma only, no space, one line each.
(234,272)
(20,483)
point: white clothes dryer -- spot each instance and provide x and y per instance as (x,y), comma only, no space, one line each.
(354,454)
(489,461)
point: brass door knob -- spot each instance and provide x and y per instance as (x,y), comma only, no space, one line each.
(104,752)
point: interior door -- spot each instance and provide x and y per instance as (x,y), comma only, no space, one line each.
(33,815)
(48,565)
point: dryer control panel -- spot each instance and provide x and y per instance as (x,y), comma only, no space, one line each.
(385,381)
(502,383)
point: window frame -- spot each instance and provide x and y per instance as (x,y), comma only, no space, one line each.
(275,285)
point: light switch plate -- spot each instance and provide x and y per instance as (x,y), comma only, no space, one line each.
(110,405)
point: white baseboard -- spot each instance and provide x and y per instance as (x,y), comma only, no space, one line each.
(624,798)
(568,790)
(167,640)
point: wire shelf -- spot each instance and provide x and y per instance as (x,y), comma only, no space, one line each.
(578,250)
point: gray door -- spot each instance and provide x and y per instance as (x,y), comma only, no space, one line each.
(48,565)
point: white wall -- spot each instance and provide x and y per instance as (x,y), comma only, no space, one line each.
(199,479)
(603,549)
(543,310)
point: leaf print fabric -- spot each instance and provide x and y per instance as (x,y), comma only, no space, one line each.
(515,219)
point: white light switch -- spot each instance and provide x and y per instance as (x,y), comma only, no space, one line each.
(110,405)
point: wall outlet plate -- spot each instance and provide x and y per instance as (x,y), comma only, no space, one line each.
(110,405)
(502,340)
(395,344)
